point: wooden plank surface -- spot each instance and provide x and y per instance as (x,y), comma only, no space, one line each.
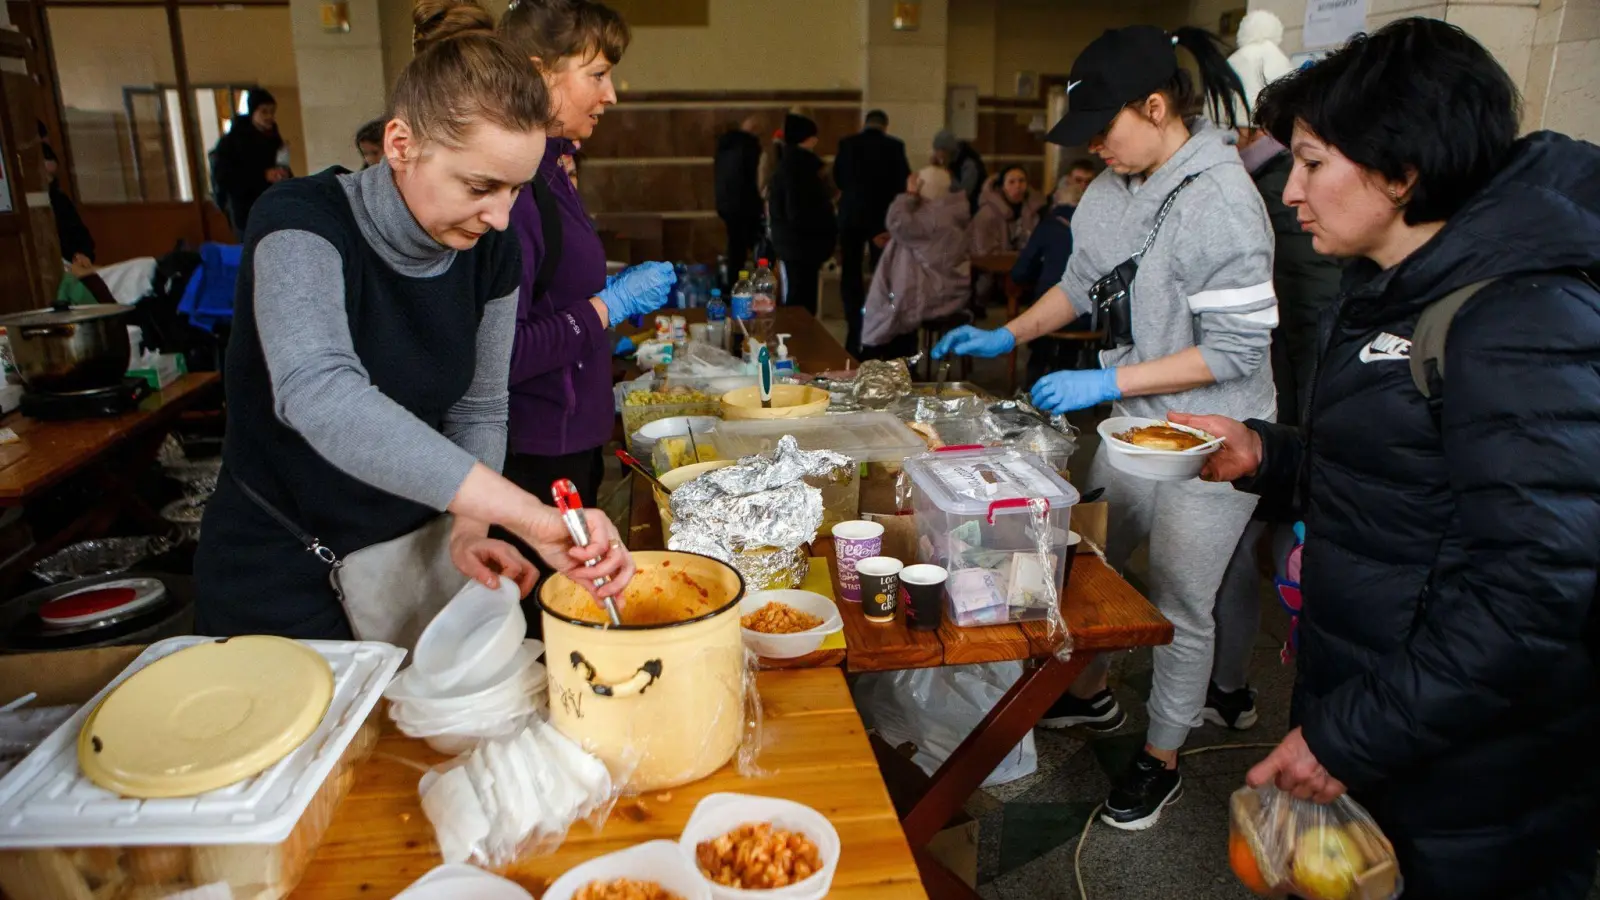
(810,345)
(50,452)
(1103,612)
(815,751)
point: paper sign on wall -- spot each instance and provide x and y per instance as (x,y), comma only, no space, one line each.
(1332,22)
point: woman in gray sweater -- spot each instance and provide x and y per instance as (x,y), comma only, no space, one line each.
(1190,332)
(367,368)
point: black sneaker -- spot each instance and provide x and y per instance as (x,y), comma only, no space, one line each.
(1098,713)
(1139,796)
(1231,709)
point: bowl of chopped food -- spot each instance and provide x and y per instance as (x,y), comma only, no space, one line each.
(785,624)
(758,848)
(1156,449)
(654,870)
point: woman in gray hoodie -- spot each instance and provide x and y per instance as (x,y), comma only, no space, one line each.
(1172,247)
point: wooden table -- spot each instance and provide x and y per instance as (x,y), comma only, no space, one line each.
(112,451)
(1103,613)
(810,345)
(815,751)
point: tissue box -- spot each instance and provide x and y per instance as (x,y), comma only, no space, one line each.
(160,369)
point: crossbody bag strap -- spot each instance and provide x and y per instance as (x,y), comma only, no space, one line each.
(1161,215)
(318,549)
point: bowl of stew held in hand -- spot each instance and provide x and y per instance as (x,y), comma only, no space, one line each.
(1155,449)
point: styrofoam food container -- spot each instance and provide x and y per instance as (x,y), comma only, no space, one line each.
(1154,465)
(472,639)
(455,881)
(788,646)
(719,814)
(47,801)
(659,861)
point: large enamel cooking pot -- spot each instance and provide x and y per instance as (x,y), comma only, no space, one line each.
(663,693)
(70,348)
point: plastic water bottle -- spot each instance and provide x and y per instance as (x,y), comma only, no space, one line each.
(764,302)
(742,310)
(717,320)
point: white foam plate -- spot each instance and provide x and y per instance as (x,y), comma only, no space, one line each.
(47,802)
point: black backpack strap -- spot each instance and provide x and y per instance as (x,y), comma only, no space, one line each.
(1428,338)
(550,225)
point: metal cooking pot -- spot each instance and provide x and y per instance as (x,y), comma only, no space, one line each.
(70,348)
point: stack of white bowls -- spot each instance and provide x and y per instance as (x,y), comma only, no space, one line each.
(473,675)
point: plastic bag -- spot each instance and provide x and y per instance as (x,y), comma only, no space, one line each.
(1055,624)
(751,734)
(936,709)
(1279,845)
(515,796)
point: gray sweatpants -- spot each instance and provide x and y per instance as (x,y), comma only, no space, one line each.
(1192,528)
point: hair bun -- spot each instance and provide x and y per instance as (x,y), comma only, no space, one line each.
(435,21)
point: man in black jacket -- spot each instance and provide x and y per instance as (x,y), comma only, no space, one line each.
(870,170)
(1449,665)
(247,160)
(738,195)
(803,226)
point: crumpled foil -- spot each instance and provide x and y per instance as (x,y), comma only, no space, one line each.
(881,381)
(102,556)
(756,514)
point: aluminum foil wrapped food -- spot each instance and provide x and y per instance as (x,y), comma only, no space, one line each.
(102,556)
(756,514)
(881,381)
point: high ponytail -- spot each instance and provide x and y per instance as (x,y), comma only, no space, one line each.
(1220,94)
(464,74)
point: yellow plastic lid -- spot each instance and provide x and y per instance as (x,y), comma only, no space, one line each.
(206,717)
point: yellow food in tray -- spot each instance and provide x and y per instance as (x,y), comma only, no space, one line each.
(679,451)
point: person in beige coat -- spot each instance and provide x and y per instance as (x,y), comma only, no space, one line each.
(1008,211)
(924,273)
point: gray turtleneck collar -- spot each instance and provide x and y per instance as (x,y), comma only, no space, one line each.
(388,225)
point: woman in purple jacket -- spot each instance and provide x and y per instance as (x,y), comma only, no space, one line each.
(561,405)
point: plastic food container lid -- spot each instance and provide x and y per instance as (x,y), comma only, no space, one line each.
(864,437)
(206,717)
(974,482)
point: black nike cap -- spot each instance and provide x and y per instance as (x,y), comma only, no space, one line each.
(1119,67)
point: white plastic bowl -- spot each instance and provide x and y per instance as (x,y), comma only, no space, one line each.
(643,442)
(1154,465)
(658,861)
(454,881)
(789,646)
(473,638)
(719,814)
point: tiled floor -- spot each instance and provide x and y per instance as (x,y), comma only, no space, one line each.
(1029,829)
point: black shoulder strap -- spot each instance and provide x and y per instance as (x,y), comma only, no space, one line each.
(1428,338)
(550,225)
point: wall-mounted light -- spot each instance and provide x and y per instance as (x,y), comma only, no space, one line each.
(335,17)
(907,15)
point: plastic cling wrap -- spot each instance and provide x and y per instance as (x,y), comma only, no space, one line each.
(1280,846)
(1043,538)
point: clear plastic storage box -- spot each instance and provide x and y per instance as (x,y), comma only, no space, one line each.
(972,518)
(872,439)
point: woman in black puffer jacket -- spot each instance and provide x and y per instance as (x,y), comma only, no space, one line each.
(1447,671)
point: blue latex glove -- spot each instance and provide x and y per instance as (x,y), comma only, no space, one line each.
(625,347)
(969,341)
(1061,392)
(637,290)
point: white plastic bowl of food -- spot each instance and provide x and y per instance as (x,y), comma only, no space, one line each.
(719,814)
(472,639)
(657,861)
(1154,465)
(798,643)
